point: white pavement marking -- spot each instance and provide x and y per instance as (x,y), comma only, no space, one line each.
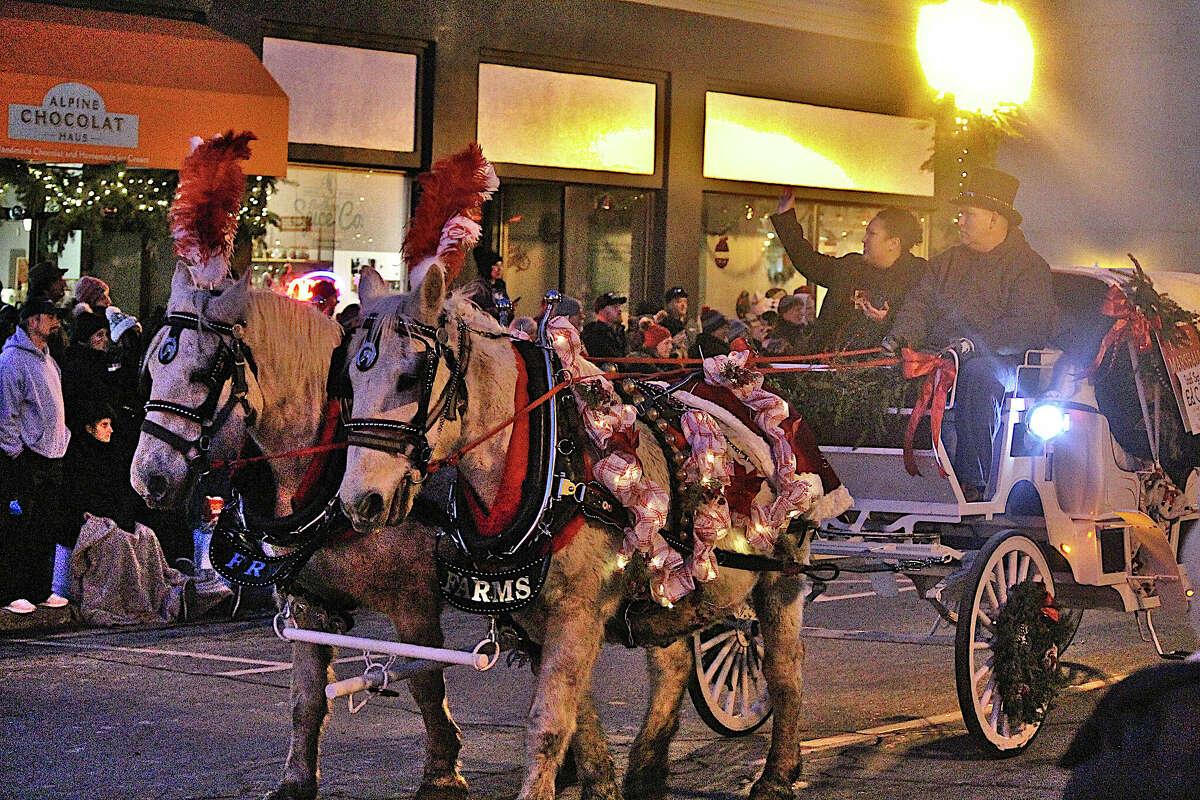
(276,668)
(829,598)
(868,735)
(153,651)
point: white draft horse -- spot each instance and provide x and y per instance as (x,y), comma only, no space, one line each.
(291,344)
(584,587)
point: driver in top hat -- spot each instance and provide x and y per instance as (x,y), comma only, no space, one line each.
(990,299)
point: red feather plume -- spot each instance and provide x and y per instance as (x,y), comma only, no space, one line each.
(458,184)
(204,215)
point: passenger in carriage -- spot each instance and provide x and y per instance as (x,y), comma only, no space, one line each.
(865,289)
(990,299)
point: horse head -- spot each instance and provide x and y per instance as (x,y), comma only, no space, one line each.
(203,396)
(413,364)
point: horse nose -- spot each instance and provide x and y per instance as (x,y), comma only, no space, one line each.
(371,507)
(156,486)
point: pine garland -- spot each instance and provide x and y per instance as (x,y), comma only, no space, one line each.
(847,407)
(1163,313)
(1030,630)
(112,197)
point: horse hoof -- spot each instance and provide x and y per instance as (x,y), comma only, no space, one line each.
(293,791)
(453,789)
(596,792)
(772,788)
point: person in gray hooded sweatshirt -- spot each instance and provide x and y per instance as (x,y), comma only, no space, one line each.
(33,441)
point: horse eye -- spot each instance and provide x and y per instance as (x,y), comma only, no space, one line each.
(405,382)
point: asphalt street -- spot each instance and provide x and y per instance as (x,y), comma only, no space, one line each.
(201,711)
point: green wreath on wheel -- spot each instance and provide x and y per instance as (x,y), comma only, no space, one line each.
(1031,630)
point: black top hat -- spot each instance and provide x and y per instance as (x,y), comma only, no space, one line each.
(993,190)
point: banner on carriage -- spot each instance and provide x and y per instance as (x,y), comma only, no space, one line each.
(1183,365)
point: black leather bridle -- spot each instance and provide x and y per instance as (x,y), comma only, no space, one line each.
(229,367)
(410,439)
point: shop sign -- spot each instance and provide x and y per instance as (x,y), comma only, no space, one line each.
(72,113)
(1183,364)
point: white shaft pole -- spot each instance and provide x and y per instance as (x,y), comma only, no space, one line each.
(398,673)
(479,661)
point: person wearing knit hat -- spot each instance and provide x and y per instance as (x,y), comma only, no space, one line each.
(714,327)
(489,288)
(119,322)
(572,309)
(324,296)
(86,377)
(656,343)
(93,292)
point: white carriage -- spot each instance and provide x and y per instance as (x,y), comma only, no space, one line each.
(1067,505)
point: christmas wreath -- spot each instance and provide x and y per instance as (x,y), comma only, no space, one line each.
(1030,630)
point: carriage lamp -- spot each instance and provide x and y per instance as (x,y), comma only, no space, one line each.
(1047,421)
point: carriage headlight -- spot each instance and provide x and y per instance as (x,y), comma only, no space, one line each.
(1047,420)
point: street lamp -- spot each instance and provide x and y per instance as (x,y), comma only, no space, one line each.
(980,53)
(978,58)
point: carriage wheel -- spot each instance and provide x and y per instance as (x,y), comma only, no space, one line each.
(1007,559)
(728,687)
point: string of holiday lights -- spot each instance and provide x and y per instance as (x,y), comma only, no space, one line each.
(113,197)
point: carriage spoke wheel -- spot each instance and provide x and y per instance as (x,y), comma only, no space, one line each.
(728,687)
(1007,559)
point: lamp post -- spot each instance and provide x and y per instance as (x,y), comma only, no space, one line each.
(978,59)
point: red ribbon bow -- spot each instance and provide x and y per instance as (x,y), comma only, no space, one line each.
(1131,324)
(939,373)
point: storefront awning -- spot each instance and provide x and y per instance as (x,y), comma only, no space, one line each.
(85,86)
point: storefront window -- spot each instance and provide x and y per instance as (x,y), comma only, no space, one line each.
(583,240)
(336,94)
(333,221)
(741,252)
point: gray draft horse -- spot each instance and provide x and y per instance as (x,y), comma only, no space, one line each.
(585,586)
(392,573)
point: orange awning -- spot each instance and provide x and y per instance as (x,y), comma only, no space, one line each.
(86,86)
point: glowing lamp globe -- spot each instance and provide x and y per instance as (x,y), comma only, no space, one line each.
(981,53)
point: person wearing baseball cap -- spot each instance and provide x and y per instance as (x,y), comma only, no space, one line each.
(604,337)
(570,308)
(673,317)
(46,280)
(33,441)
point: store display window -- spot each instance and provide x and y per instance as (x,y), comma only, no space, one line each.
(583,240)
(333,221)
(742,254)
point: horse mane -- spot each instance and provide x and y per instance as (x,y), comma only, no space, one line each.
(291,343)
(459,306)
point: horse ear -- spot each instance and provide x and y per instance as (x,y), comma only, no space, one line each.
(370,286)
(181,281)
(229,305)
(432,292)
